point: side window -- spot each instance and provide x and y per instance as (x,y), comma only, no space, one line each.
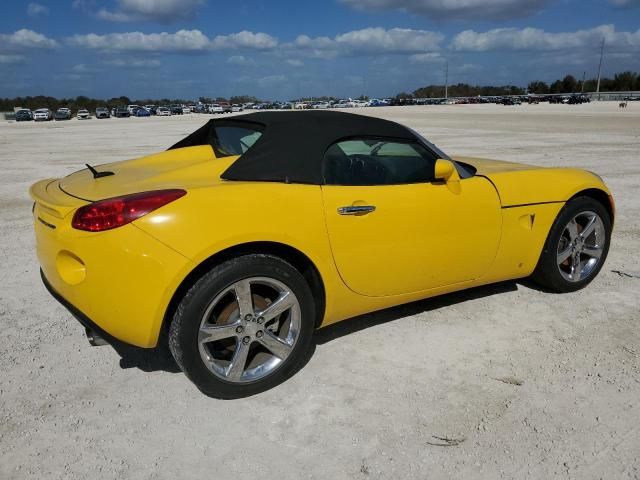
(376,161)
(228,141)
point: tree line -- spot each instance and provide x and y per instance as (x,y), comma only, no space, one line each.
(621,82)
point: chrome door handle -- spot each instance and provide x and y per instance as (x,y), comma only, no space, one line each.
(356,210)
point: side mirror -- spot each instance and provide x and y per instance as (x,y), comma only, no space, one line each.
(445,170)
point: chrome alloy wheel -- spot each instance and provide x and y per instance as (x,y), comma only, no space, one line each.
(581,245)
(249,329)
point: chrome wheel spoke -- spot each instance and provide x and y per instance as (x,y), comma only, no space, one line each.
(575,266)
(242,290)
(592,251)
(566,253)
(589,228)
(281,305)
(275,345)
(236,367)
(572,228)
(211,333)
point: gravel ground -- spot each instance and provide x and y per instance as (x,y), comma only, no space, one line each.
(522,383)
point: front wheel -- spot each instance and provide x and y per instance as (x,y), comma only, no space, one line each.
(576,247)
(244,327)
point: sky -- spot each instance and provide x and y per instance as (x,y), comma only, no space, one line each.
(284,49)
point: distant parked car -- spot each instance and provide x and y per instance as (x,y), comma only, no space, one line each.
(163,112)
(142,112)
(62,114)
(215,108)
(24,115)
(132,109)
(153,109)
(83,114)
(226,107)
(42,114)
(236,108)
(121,112)
(176,109)
(375,102)
(321,105)
(186,110)
(102,112)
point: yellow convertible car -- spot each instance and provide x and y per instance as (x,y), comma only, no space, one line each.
(238,242)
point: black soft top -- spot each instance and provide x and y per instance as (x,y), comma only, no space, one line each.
(292,146)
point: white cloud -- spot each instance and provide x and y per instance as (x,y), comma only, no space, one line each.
(244,39)
(455,9)
(269,81)
(6,59)
(368,41)
(536,39)
(625,3)
(163,11)
(24,39)
(239,60)
(295,62)
(35,9)
(133,62)
(432,57)
(180,41)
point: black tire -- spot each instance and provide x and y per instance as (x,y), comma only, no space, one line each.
(184,328)
(547,273)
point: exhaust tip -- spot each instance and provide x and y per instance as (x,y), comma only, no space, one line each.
(95,340)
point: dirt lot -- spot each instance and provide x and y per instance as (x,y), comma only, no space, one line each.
(379,389)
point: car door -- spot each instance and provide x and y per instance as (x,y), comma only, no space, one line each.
(395,230)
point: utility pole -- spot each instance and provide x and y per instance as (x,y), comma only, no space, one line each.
(446,81)
(600,68)
(584,75)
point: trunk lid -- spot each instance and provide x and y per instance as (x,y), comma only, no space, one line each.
(180,168)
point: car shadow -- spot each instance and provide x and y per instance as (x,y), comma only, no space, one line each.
(362,322)
(160,358)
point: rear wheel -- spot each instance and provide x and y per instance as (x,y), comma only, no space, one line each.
(244,327)
(576,248)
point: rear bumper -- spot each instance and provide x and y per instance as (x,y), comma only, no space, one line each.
(118,282)
(84,320)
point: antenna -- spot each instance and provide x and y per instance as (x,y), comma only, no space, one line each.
(446,81)
(600,68)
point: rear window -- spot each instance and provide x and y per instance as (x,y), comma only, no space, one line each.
(229,141)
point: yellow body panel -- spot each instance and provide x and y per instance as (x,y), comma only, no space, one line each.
(423,239)
(421,236)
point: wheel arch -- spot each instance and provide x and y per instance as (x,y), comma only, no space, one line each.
(601,197)
(295,257)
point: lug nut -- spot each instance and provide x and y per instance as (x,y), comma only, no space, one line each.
(239,329)
(261,320)
(259,334)
(248,317)
(246,340)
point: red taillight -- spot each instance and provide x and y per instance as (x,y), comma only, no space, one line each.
(118,211)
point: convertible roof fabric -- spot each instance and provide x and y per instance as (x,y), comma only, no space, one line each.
(292,146)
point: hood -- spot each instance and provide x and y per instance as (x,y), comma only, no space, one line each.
(486,166)
(180,168)
(521,184)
